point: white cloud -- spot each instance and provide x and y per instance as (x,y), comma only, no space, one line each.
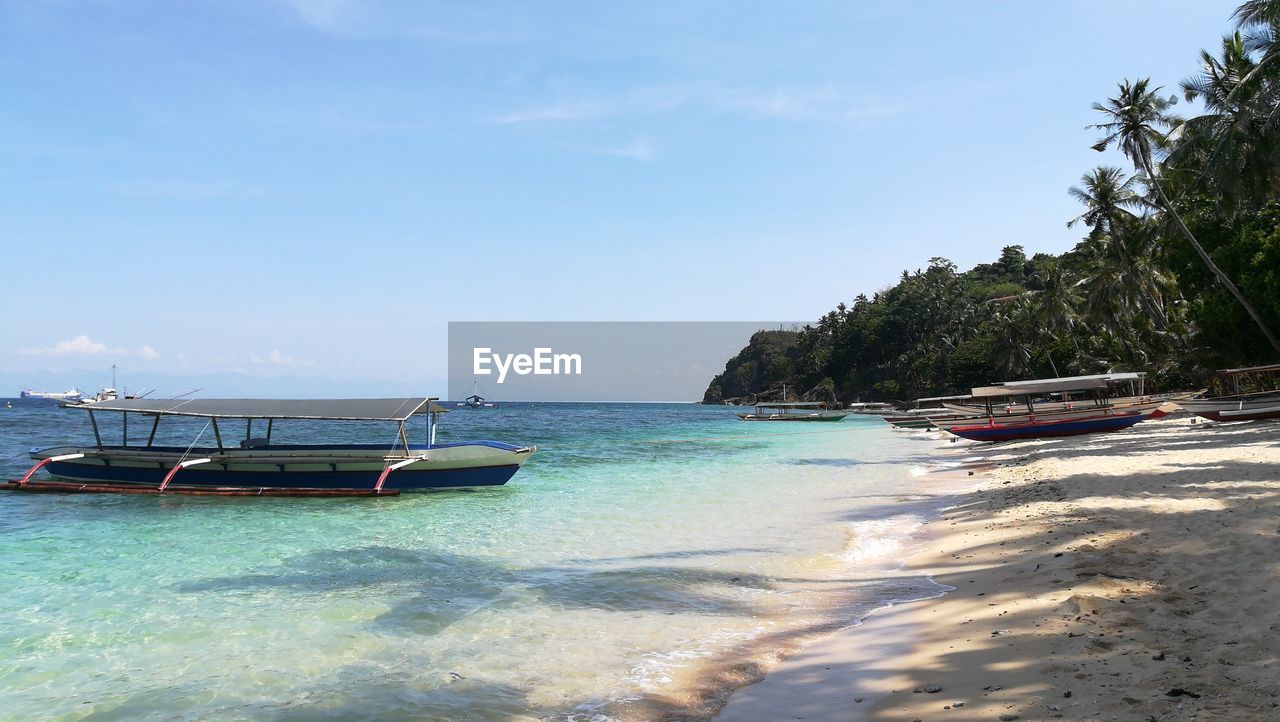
(78,346)
(806,104)
(327,15)
(82,345)
(823,103)
(577,110)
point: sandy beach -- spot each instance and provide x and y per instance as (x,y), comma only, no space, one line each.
(1128,576)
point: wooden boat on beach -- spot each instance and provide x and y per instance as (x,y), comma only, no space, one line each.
(1246,394)
(869,408)
(258,466)
(1034,423)
(923,417)
(1047,428)
(794,411)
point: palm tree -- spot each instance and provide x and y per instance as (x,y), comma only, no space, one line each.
(1014,323)
(1107,197)
(1233,146)
(1136,117)
(1260,20)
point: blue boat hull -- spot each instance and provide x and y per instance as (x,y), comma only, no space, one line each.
(1049,429)
(402,480)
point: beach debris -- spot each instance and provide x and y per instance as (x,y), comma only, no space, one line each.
(1008,717)
(857,700)
(1158,656)
(1180,692)
(455,675)
(1067,693)
(928,688)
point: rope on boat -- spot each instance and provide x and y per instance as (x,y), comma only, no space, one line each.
(194,441)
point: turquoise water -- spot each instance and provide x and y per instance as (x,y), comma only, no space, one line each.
(641,550)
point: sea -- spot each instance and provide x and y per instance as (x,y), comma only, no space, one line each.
(648,559)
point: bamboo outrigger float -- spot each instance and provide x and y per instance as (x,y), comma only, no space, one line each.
(257,467)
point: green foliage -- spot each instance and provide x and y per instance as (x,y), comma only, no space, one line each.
(1179,271)
(770,358)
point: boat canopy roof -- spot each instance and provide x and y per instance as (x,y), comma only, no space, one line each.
(1028,388)
(791,404)
(959,397)
(1251,369)
(321,409)
(1109,378)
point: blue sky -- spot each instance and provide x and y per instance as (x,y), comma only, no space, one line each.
(316,187)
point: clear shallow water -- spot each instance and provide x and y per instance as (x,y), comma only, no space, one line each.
(642,551)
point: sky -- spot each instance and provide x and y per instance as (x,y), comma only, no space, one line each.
(315,188)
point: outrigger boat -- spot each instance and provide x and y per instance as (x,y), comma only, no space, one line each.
(794,411)
(1087,393)
(476,401)
(1034,425)
(922,417)
(869,408)
(257,466)
(1248,394)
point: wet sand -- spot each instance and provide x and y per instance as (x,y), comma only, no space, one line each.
(1128,576)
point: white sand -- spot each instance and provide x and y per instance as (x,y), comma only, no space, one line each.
(1093,577)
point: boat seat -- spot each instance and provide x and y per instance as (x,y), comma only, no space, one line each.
(254,443)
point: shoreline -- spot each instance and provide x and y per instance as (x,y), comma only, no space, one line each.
(1081,573)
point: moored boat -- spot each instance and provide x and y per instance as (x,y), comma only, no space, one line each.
(255,464)
(920,416)
(869,408)
(1047,428)
(1244,394)
(476,401)
(1034,423)
(794,411)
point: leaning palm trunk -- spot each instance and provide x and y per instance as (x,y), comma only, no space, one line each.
(1204,256)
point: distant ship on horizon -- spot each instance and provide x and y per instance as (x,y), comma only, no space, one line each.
(72,394)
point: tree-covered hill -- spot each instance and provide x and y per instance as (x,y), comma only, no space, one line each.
(1178,272)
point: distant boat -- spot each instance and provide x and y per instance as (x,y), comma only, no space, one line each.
(476,401)
(72,394)
(107,394)
(794,411)
(870,408)
(1253,394)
